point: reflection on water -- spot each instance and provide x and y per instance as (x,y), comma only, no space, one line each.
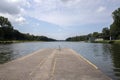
(116,59)
(5,54)
(5,57)
(105,56)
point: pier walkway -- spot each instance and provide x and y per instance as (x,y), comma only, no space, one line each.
(51,64)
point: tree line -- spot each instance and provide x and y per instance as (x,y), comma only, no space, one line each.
(7,32)
(108,33)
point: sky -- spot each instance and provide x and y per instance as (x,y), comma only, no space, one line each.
(59,19)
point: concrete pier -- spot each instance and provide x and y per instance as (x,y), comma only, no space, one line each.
(51,64)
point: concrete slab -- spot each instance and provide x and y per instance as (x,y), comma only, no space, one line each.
(51,64)
(70,66)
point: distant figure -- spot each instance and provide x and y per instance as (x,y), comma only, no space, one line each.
(59,48)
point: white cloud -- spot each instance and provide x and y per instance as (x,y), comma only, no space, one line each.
(13,10)
(20,20)
(13,1)
(37,1)
(101,9)
(10,17)
(59,12)
(69,12)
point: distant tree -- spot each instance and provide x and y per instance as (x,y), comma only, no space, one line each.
(95,34)
(106,33)
(68,39)
(115,26)
(78,38)
(89,35)
(8,33)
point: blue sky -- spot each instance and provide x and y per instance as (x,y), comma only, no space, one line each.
(59,19)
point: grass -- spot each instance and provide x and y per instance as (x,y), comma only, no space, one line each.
(17,41)
(7,42)
(116,41)
(108,41)
(104,41)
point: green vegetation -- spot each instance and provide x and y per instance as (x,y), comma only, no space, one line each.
(9,35)
(115,26)
(77,38)
(108,35)
(116,41)
(108,41)
(104,41)
(85,37)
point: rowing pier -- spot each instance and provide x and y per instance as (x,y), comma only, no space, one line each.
(51,64)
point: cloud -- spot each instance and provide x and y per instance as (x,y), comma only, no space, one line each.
(70,1)
(65,0)
(37,1)
(13,10)
(101,9)
(70,12)
(59,12)
(20,20)
(10,8)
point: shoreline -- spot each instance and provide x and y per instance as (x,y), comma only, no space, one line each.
(15,41)
(108,41)
(7,42)
(22,41)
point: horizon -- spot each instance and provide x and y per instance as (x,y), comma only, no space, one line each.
(59,19)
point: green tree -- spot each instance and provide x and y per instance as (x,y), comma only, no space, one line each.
(8,33)
(6,29)
(106,33)
(1,34)
(115,27)
(95,34)
(4,22)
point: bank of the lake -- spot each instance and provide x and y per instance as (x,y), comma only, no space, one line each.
(108,41)
(19,41)
(7,42)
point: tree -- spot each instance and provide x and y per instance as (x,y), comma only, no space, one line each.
(115,27)
(78,38)
(106,33)
(4,22)
(1,34)
(6,29)
(8,33)
(95,34)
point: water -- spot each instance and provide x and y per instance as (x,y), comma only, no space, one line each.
(105,56)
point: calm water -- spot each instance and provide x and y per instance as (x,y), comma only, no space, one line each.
(105,56)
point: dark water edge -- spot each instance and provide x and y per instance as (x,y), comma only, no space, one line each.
(105,56)
(115,53)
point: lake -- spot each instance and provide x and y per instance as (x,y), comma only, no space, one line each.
(105,56)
